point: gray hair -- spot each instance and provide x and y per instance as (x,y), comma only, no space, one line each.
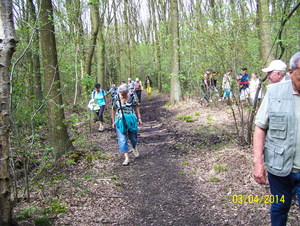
(283,72)
(123,88)
(294,61)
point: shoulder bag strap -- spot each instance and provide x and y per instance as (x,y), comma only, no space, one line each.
(124,120)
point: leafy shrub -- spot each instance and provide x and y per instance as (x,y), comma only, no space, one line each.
(57,208)
(179,116)
(189,119)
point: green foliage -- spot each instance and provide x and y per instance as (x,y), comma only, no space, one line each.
(189,119)
(57,208)
(168,104)
(209,117)
(179,116)
(197,113)
(115,177)
(181,173)
(184,163)
(220,168)
(43,221)
(214,179)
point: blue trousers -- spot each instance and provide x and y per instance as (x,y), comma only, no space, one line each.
(123,140)
(281,189)
(206,92)
(139,94)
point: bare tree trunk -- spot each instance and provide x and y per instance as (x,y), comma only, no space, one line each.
(118,54)
(7,48)
(59,138)
(36,58)
(95,28)
(157,45)
(264,32)
(128,55)
(175,81)
(101,58)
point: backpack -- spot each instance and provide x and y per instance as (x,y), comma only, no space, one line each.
(137,86)
(94,93)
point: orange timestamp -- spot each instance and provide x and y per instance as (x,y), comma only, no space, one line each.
(257,199)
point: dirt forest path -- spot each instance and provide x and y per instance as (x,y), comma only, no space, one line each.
(157,193)
(188,173)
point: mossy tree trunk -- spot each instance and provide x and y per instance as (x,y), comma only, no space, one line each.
(118,54)
(95,29)
(175,81)
(59,138)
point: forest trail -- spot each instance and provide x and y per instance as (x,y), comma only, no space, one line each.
(188,173)
(157,192)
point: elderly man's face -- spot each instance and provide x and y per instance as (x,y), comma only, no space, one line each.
(274,76)
(295,76)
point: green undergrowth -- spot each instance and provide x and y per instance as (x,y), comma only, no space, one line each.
(189,118)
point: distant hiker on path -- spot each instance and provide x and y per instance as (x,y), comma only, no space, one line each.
(113,90)
(213,85)
(227,84)
(277,141)
(148,86)
(100,96)
(205,87)
(276,71)
(125,107)
(130,85)
(138,88)
(244,86)
(254,83)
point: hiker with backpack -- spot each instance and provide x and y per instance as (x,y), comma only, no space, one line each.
(125,118)
(99,96)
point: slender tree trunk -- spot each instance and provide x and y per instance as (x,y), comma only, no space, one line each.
(101,58)
(175,81)
(157,45)
(35,57)
(7,48)
(118,54)
(128,55)
(95,29)
(73,8)
(59,138)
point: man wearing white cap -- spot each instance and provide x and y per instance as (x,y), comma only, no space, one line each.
(276,71)
(277,140)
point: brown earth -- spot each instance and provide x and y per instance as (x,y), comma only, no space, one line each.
(188,173)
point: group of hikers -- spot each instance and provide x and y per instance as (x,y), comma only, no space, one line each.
(209,86)
(125,112)
(277,132)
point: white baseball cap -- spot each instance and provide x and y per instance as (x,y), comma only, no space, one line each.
(275,65)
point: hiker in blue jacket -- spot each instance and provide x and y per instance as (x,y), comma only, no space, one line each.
(100,96)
